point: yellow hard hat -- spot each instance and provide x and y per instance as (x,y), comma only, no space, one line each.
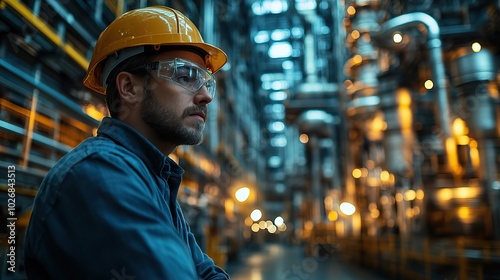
(152,26)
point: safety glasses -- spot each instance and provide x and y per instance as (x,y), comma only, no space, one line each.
(184,73)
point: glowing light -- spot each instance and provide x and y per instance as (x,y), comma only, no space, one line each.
(255,227)
(351,10)
(274,161)
(355,34)
(347,208)
(459,127)
(333,216)
(384,200)
(93,112)
(278,141)
(474,154)
(270,7)
(271,229)
(444,194)
(277,126)
(280,34)
(304,138)
(409,213)
(364,172)
(279,221)
(278,96)
(242,194)
(357,59)
(303,5)
(467,192)
(308,225)
(473,144)
(262,225)
(451,151)
(404,97)
(375,213)
(397,38)
(356,173)
(464,212)
(280,50)
(463,140)
(261,37)
(420,194)
(428,84)
(476,47)
(410,195)
(256,215)
(248,221)
(385,176)
(282,227)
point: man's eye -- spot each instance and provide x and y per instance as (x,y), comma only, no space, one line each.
(184,79)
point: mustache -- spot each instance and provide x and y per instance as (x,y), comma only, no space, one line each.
(195,109)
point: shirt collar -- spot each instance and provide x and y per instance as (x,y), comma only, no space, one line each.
(135,142)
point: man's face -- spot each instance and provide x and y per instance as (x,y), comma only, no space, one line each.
(175,114)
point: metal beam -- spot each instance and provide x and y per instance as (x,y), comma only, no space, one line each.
(48,32)
(51,93)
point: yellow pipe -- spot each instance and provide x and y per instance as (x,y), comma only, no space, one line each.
(47,31)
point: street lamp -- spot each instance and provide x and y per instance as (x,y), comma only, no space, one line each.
(256,215)
(347,208)
(242,194)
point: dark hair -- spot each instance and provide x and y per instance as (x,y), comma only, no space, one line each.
(131,65)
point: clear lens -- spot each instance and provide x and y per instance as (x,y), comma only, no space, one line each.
(186,74)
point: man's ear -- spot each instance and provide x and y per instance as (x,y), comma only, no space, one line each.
(128,87)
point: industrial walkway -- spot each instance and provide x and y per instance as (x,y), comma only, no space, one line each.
(277,261)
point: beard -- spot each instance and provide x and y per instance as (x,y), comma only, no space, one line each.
(167,126)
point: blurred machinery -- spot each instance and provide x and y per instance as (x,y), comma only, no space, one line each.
(423,112)
(418,141)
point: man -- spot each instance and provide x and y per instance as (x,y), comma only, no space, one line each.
(108,209)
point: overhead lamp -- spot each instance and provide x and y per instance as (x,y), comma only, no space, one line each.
(278,141)
(274,161)
(280,50)
(261,37)
(305,5)
(277,126)
(269,7)
(278,95)
(280,34)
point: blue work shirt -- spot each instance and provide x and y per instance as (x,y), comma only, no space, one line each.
(109,210)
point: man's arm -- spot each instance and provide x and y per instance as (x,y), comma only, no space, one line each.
(205,266)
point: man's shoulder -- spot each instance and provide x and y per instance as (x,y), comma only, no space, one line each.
(95,149)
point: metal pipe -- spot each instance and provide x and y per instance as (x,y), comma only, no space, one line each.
(437,70)
(435,56)
(30,125)
(316,216)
